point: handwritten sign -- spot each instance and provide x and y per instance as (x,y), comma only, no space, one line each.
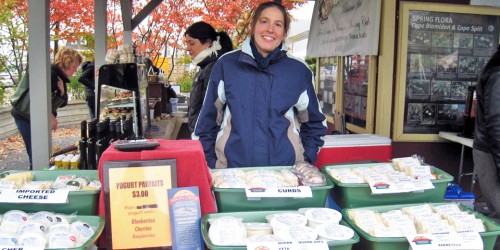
(340,28)
(138,206)
(34,196)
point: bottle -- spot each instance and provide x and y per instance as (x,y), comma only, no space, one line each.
(91,152)
(83,145)
(99,140)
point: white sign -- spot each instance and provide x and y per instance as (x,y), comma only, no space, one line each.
(394,187)
(455,241)
(292,192)
(344,27)
(34,196)
(289,245)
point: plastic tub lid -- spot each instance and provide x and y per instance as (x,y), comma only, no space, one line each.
(355,140)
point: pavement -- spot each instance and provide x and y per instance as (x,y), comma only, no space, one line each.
(15,156)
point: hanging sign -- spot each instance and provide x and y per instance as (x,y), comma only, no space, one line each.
(344,27)
(137,210)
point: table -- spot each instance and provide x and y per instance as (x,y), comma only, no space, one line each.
(465,142)
(192,169)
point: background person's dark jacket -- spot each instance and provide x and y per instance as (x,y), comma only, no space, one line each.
(487,127)
(198,89)
(87,78)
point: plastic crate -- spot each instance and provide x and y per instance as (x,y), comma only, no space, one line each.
(350,195)
(368,242)
(235,199)
(260,216)
(79,202)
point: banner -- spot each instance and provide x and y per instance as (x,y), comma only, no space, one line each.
(344,27)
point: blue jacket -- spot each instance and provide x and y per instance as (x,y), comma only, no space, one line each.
(254,117)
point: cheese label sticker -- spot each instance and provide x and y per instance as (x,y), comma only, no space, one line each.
(276,192)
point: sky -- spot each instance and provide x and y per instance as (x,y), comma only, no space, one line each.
(302,22)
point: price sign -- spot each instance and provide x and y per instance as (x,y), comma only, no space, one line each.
(138,206)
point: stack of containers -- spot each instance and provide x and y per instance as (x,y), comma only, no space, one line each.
(353,197)
(233,203)
(80,208)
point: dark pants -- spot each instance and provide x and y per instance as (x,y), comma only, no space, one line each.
(91,104)
(24,128)
(486,171)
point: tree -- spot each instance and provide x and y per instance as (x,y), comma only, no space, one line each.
(13,37)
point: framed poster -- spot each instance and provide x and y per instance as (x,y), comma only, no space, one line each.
(442,49)
(358,90)
(327,86)
(136,198)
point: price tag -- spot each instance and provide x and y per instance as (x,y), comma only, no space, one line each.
(289,245)
(34,196)
(293,192)
(455,241)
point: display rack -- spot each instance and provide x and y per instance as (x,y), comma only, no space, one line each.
(118,88)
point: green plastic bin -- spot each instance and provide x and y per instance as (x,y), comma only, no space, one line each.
(96,222)
(235,199)
(350,195)
(260,216)
(79,202)
(368,242)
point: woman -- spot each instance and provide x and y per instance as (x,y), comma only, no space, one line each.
(205,46)
(261,108)
(66,62)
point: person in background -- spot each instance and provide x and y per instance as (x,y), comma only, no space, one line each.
(486,146)
(66,62)
(170,91)
(87,78)
(261,108)
(205,46)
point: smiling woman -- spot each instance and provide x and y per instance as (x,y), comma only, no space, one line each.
(261,108)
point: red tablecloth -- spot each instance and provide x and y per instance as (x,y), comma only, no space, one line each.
(191,166)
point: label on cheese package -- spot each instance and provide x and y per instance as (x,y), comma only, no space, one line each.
(34,196)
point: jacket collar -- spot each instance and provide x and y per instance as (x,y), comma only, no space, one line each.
(247,52)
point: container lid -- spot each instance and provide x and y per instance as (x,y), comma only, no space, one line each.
(355,140)
(332,231)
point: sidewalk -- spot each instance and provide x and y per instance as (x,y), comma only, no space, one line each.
(13,154)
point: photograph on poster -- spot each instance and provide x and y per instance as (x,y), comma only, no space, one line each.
(418,89)
(441,89)
(450,112)
(468,65)
(422,63)
(442,39)
(463,41)
(459,89)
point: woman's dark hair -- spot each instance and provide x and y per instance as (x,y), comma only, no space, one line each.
(265,5)
(205,32)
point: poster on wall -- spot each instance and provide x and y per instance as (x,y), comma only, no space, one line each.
(327,85)
(445,53)
(356,89)
(344,27)
(137,209)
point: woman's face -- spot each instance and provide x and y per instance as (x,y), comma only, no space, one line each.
(269,31)
(194,46)
(71,69)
